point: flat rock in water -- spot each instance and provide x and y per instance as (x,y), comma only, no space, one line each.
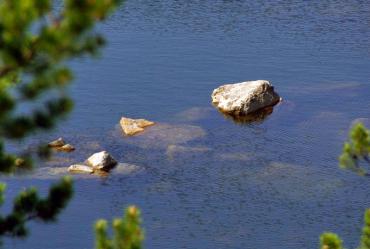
(80,168)
(57,143)
(244,98)
(133,126)
(101,161)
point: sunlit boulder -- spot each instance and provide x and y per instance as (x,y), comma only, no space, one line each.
(244,98)
(101,161)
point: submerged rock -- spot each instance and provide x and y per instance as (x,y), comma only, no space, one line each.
(194,114)
(80,168)
(163,135)
(244,98)
(126,168)
(92,145)
(173,150)
(101,161)
(58,161)
(49,172)
(57,143)
(133,126)
(235,156)
(295,182)
(332,87)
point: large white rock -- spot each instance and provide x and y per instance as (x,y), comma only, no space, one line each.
(245,97)
(101,161)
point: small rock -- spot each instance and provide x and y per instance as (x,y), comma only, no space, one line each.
(80,168)
(19,162)
(101,161)
(57,143)
(245,98)
(133,126)
(66,148)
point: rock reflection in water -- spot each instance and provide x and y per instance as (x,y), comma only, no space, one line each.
(255,117)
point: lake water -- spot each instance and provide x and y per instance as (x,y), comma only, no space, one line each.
(269,184)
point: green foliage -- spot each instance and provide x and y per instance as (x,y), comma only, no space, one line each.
(333,241)
(365,238)
(36,41)
(330,241)
(357,150)
(127,231)
(28,205)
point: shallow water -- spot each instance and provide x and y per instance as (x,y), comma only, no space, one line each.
(270,184)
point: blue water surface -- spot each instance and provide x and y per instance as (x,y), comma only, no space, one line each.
(269,184)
